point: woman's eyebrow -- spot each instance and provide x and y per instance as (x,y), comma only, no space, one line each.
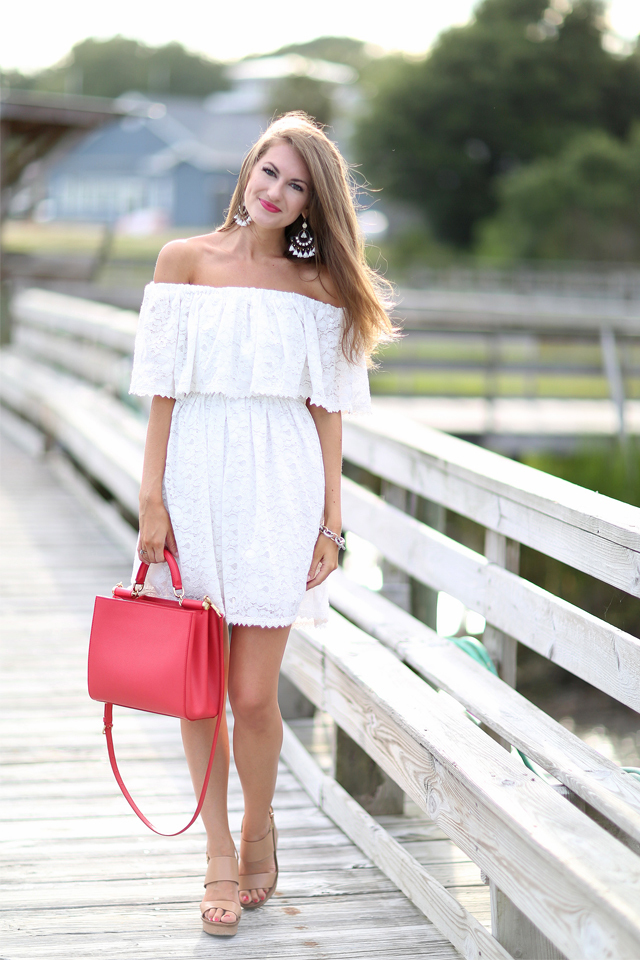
(293,179)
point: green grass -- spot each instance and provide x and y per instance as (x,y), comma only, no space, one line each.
(425,383)
(23,236)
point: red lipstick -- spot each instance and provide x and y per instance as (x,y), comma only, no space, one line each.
(271,207)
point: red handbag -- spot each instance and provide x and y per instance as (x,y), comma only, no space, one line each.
(161,656)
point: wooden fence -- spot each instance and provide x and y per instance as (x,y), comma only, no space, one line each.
(483,343)
(562,858)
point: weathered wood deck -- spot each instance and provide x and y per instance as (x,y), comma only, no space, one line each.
(81,877)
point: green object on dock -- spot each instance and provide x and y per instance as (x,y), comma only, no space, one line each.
(476,649)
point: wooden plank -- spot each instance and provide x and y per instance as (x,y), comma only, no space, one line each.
(421,886)
(320,882)
(96,430)
(319,928)
(75,854)
(484,310)
(98,364)
(599,781)
(86,319)
(590,532)
(601,654)
(331,859)
(483,799)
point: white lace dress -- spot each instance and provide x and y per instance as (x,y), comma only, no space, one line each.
(244,479)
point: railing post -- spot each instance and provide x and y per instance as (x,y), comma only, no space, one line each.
(515,932)
(396,584)
(502,649)
(364,779)
(613,372)
(509,925)
(292,702)
(353,767)
(423,599)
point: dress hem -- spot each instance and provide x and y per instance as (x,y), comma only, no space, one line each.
(273,624)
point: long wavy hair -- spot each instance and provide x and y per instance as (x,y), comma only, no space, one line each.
(363,294)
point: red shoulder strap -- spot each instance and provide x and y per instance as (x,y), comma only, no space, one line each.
(108,726)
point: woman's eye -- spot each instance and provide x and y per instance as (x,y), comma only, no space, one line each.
(269,170)
(296,186)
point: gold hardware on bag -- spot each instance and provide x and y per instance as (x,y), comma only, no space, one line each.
(208,603)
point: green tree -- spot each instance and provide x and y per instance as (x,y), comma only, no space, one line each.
(108,68)
(517,83)
(308,94)
(302,93)
(583,204)
(353,53)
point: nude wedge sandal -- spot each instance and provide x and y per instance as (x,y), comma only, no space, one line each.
(221,868)
(252,851)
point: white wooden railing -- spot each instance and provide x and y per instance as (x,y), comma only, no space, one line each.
(563,862)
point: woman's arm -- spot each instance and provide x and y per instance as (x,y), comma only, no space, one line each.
(155,525)
(325,555)
(173,266)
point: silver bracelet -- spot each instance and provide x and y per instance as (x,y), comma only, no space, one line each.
(340,541)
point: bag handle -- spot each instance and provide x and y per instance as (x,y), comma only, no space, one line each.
(174,569)
(108,726)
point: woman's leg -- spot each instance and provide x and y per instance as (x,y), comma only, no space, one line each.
(197,736)
(256,655)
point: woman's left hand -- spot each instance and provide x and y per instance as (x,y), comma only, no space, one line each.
(324,562)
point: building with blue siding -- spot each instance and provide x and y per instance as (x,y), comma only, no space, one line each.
(181,162)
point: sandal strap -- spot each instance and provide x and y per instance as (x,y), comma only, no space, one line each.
(256,881)
(229,906)
(253,850)
(221,868)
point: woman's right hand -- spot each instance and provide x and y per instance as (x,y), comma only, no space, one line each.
(156,532)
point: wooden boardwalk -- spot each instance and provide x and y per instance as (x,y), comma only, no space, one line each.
(81,877)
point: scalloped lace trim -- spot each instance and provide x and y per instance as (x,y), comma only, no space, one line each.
(245,342)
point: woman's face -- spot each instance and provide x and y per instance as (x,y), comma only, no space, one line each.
(278,188)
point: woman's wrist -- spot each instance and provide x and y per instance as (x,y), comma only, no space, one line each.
(334,522)
(151,498)
(332,535)
(334,526)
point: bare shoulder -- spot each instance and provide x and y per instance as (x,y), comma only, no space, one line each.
(321,287)
(178,261)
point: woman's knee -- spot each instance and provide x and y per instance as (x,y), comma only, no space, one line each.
(253,707)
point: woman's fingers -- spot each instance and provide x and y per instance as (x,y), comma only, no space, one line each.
(149,553)
(155,532)
(324,562)
(170,542)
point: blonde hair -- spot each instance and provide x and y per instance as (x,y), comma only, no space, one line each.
(364,296)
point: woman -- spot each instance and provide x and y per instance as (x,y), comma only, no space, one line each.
(252,340)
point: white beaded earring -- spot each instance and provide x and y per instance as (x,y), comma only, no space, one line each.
(303,243)
(242,217)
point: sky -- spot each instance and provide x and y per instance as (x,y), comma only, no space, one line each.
(39,33)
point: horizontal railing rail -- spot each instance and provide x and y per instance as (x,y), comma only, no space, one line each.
(573,871)
(523,350)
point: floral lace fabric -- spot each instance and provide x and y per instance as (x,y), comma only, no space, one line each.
(244,342)
(244,478)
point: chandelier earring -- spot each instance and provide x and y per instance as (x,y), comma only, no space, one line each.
(303,244)
(242,217)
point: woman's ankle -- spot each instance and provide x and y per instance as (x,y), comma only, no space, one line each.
(220,846)
(255,828)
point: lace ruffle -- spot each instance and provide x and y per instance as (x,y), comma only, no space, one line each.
(244,342)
